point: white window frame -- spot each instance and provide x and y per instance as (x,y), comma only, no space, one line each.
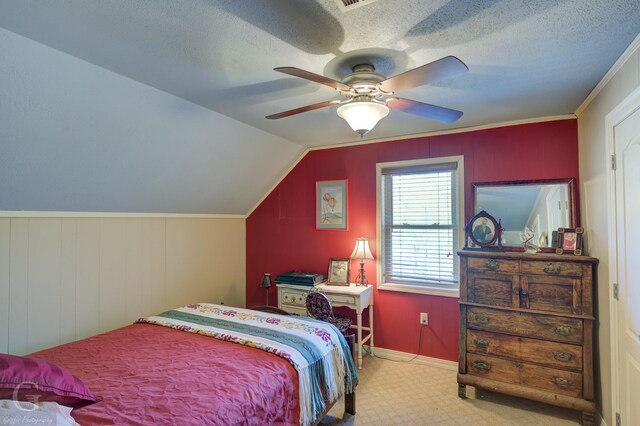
(436,289)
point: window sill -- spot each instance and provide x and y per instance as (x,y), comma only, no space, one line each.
(433,291)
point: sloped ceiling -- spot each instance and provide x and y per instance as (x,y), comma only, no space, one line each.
(526,58)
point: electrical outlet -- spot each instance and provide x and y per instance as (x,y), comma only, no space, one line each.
(424,318)
(220,301)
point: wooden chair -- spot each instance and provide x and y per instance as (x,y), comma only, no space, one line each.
(319,307)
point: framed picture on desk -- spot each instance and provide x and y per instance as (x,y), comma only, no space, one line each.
(339,271)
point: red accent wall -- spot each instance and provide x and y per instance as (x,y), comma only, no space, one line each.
(281,234)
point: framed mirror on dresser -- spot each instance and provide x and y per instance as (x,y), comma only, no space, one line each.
(542,206)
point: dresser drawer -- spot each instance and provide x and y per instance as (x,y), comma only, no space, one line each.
(561,382)
(562,269)
(559,329)
(293,298)
(552,354)
(493,265)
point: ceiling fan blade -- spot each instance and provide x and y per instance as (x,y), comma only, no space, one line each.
(316,78)
(302,109)
(432,112)
(441,69)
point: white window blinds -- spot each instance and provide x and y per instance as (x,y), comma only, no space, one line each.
(420,225)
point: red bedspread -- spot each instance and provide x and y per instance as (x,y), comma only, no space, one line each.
(149,375)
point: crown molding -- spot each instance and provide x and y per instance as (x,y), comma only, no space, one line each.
(450,131)
(111,215)
(412,136)
(635,44)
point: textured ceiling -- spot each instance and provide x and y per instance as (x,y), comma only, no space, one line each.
(526,58)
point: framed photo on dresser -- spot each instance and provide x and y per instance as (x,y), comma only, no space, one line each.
(483,230)
(569,241)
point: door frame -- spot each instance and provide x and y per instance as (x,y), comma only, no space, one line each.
(621,112)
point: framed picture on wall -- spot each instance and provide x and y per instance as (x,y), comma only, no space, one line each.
(569,241)
(331,205)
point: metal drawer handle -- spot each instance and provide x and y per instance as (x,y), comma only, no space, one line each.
(481,366)
(492,265)
(551,268)
(481,342)
(563,330)
(562,356)
(559,381)
(524,293)
(481,319)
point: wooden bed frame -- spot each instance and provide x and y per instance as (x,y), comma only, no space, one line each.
(349,398)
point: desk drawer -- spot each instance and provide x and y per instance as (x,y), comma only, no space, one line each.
(293,298)
(342,299)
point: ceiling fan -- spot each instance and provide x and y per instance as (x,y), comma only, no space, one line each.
(369,95)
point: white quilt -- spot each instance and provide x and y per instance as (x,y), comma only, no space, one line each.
(27,413)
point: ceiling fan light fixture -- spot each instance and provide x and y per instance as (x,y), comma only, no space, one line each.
(368,93)
(362,116)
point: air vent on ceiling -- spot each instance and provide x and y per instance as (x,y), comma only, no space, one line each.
(347,5)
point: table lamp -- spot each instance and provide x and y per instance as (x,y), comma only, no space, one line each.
(266,284)
(362,252)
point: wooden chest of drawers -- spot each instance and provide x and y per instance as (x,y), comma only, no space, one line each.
(526,326)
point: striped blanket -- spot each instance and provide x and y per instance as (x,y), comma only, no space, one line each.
(316,349)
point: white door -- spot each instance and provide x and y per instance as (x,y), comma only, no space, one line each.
(627,184)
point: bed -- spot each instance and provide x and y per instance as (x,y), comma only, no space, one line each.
(148,374)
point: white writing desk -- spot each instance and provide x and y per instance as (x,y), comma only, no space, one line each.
(292,298)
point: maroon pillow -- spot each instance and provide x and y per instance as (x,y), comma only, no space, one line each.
(30,379)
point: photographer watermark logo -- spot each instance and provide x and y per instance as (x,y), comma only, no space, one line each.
(25,408)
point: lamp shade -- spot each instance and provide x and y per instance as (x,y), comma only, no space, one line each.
(362,116)
(266,281)
(362,251)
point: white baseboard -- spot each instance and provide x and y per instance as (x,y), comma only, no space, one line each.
(420,359)
(602,422)
(435,362)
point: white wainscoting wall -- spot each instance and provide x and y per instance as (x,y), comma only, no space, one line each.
(66,278)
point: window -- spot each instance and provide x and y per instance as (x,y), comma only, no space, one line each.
(420,208)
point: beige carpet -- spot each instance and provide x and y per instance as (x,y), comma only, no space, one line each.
(397,393)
